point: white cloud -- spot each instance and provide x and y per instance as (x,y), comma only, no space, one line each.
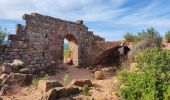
(110,11)
(88,10)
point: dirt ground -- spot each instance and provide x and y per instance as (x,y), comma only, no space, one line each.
(102,89)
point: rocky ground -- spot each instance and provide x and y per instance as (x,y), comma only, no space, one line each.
(103,88)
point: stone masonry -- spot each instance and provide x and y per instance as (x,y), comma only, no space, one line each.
(40,42)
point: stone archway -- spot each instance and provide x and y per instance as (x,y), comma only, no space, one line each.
(73,49)
(39,44)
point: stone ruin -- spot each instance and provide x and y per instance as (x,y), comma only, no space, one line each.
(40,43)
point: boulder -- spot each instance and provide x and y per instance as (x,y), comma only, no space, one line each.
(132,67)
(17,64)
(60,92)
(42,73)
(4,76)
(19,79)
(25,71)
(4,89)
(82,82)
(45,85)
(109,69)
(6,68)
(99,75)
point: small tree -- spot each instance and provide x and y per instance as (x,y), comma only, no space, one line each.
(3,34)
(167,36)
(129,37)
(143,40)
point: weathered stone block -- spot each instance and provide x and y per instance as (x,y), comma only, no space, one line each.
(45,85)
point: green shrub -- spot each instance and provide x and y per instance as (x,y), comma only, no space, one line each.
(129,37)
(85,90)
(36,80)
(66,52)
(167,36)
(145,34)
(66,79)
(151,80)
(145,39)
(3,34)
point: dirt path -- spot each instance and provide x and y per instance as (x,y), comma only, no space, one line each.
(102,90)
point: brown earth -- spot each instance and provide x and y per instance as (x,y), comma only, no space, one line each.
(102,89)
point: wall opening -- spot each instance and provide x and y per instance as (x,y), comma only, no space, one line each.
(112,57)
(70,50)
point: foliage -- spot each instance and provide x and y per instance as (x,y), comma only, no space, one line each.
(149,33)
(66,52)
(140,46)
(66,79)
(143,40)
(3,34)
(36,80)
(151,80)
(129,37)
(167,36)
(85,90)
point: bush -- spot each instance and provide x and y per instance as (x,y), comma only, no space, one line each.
(3,34)
(167,36)
(36,80)
(67,79)
(141,46)
(151,80)
(129,37)
(144,40)
(85,90)
(149,33)
(66,52)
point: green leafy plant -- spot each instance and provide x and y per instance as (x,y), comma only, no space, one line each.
(66,52)
(66,79)
(151,80)
(3,34)
(167,36)
(129,37)
(85,90)
(145,34)
(36,80)
(143,40)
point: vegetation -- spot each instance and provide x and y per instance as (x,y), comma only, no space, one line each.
(167,36)
(129,37)
(149,33)
(3,34)
(66,79)
(36,80)
(66,52)
(151,80)
(85,90)
(143,40)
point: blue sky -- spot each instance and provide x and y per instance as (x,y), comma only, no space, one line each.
(110,19)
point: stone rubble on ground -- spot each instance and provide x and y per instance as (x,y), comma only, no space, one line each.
(82,82)
(60,92)
(99,75)
(45,85)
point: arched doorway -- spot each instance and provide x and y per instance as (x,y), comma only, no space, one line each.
(70,50)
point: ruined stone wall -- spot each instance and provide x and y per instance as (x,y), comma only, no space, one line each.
(40,43)
(99,47)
